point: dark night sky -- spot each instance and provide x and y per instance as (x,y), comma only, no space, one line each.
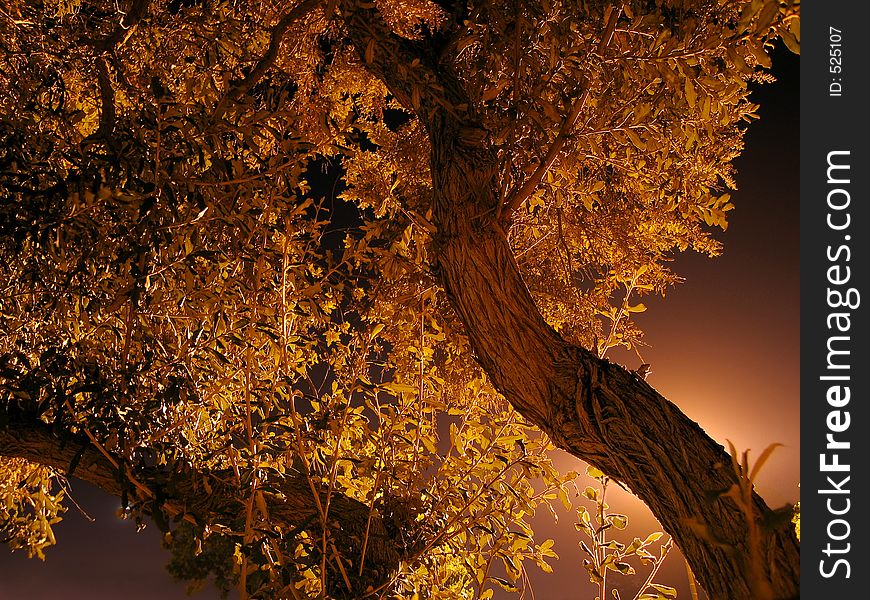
(724,347)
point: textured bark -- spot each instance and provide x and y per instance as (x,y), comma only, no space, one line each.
(595,410)
(210,498)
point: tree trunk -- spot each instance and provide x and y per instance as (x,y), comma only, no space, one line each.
(596,410)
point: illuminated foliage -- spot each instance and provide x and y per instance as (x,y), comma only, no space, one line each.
(31,504)
(606,555)
(281,379)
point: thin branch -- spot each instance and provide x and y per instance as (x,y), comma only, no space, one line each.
(517,197)
(570,263)
(365,543)
(503,191)
(124,29)
(268,59)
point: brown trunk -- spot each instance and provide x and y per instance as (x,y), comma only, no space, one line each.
(594,409)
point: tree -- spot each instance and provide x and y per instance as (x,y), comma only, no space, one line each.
(356,396)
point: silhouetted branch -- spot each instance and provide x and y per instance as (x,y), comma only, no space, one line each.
(268,59)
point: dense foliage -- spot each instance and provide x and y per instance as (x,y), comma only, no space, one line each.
(186,294)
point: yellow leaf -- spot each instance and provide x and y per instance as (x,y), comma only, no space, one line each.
(690,93)
(635,139)
(767,15)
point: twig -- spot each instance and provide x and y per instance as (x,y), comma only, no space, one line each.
(124,29)
(656,567)
(614,326)
(267,60)
(517,197)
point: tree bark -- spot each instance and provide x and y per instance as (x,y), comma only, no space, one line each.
(211,498)
(595,410)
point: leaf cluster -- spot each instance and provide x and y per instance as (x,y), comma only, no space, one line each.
(174,290)
(606,554)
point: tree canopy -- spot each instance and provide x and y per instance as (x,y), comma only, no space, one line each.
(354,392)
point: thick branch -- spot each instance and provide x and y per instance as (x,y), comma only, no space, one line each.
(409,72)
(211,498)
(107,101)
